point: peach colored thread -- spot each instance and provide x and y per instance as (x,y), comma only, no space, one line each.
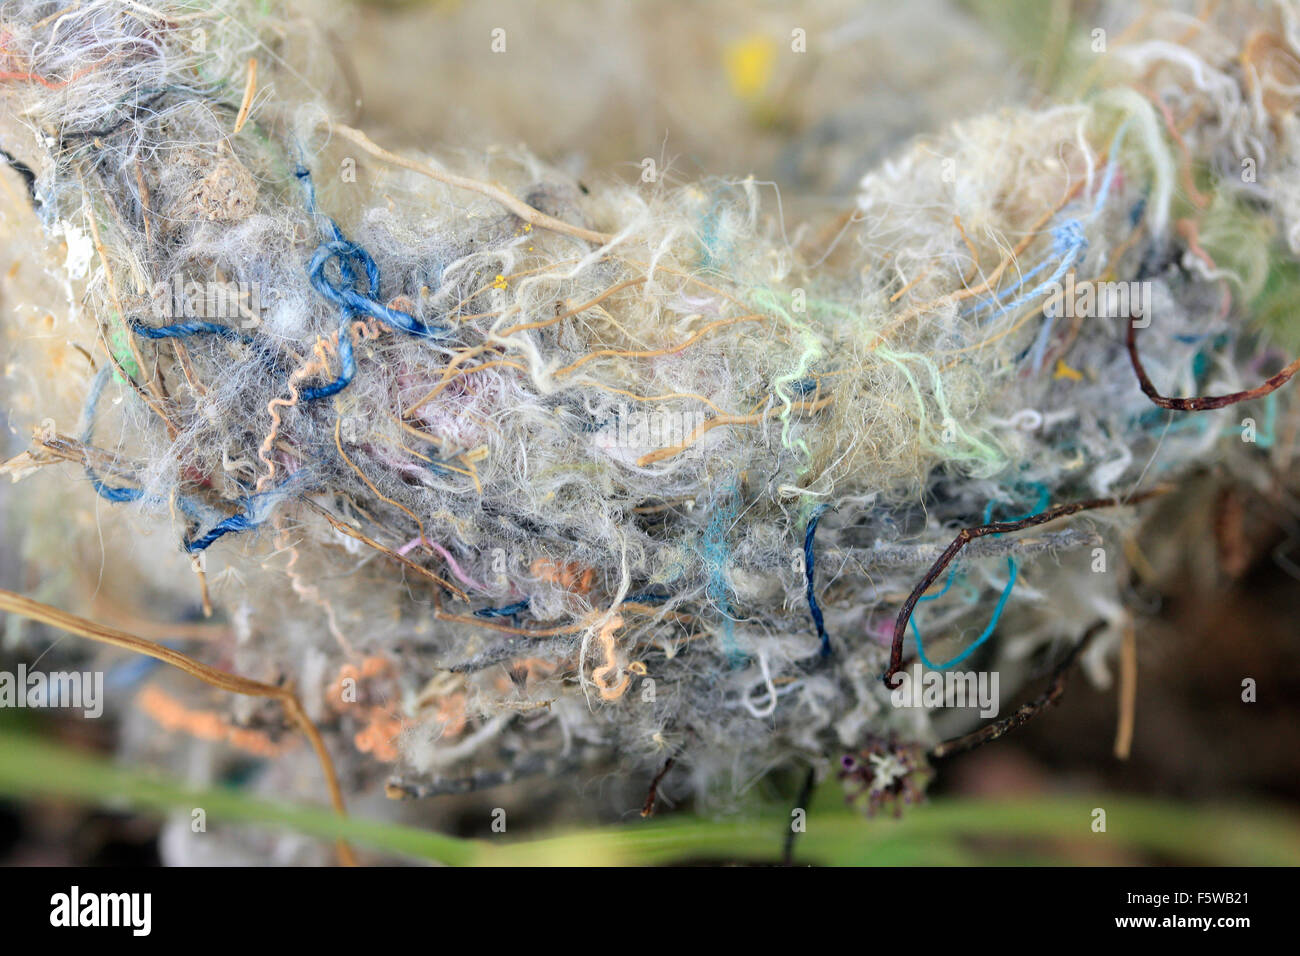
(319,364)
(171,714)
(602,675)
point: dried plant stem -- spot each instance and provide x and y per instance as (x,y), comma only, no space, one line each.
(1202,402)
(967,535)
(343,527)
(80,626)
(250,88)
(1026,712)
(521,209)
(652,795)
(1128,681)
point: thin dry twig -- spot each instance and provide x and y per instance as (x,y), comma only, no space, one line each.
(250,88)
(1128,680)
(1025,712)
(521,209)
(81,627)
(1202,402)
(967,535)
(652,795)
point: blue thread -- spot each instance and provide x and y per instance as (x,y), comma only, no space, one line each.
(1264,438)
(1069,242)
(349,299)
(194,510)
(109,493)
(1077,243)
(809,565)
(716,553)
(182,330)
(353,261)
(347,369)
(120,494)
(235,523)
(988,631)
(256,509)
(1137,212)
(1111,166)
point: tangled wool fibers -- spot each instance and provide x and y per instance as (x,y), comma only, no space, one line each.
(508,472)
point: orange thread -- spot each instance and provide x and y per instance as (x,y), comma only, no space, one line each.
(172,715)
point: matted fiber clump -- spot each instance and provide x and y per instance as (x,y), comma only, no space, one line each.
(505,472)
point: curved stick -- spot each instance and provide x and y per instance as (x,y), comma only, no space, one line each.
(966,536)
(1203,402)
(80,626)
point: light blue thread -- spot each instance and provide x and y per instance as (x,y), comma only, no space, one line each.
(256,508)
(120,494)
(1069,242)
(716,553)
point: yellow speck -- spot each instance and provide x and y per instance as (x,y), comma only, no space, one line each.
(499,282)
(1064,371)
(749,65)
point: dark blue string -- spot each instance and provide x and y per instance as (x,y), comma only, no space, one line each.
(109,493)
(235,523)
(510,610)
(347,369)
(254,511)
(646,597)
(809,564)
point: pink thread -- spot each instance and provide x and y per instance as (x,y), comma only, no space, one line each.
(451,562)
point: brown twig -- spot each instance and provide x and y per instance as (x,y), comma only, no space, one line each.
(342,526)
(1202,402)
(967,535)
(250,88)
(653,794)
(1026,712)
(521,209)
(1128,681)
(80,626)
